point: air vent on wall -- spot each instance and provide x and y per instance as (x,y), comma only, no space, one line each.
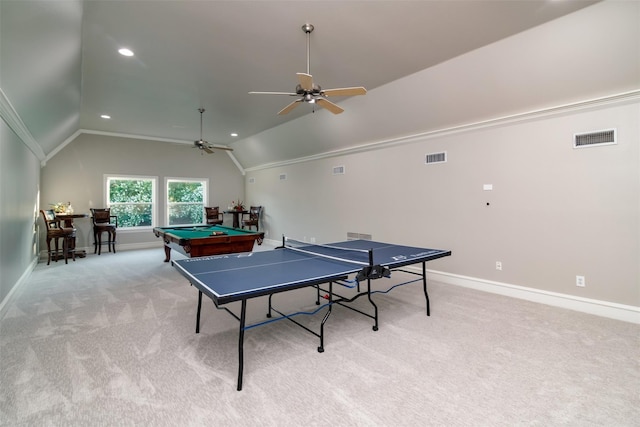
(338,170)
(252,180)
(592,139)
(283,176)
(435,158)
(358,236)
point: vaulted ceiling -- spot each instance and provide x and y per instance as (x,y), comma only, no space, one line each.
(61,69)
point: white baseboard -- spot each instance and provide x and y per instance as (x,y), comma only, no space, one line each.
(23,278)
(119,247)
(626,313)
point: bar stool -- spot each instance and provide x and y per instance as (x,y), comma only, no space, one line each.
(214,216)
(102,223)
(254,218)
(55,232)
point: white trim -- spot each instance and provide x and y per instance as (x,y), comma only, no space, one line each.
(621,98)
(15,123)
(21,281)
(132,136)
(626,313)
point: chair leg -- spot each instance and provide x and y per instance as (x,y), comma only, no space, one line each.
(95,241)
(72,247)
(99,242)
(113,242)
(48,250)
(65,249)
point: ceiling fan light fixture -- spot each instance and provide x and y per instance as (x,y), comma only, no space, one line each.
(311,93)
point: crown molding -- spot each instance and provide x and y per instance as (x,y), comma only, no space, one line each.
(15,123)
(617,99)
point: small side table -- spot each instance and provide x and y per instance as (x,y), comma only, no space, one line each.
(236,216)
(68,222)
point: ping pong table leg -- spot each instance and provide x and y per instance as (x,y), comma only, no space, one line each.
(326,316)
(375,307)
(424,286)
(241,343)
(198,313)
(269,311)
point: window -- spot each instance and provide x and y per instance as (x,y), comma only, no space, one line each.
(132,199)
(186,199)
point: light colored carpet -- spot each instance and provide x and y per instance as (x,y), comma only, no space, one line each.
(110,341)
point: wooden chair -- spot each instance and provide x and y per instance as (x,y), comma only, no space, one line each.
(102,222)
(55,232)
(214,216)
(252,218)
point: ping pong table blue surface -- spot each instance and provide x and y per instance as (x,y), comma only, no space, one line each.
(234,277)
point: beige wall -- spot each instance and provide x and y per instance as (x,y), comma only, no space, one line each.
(76,174)
(554,212)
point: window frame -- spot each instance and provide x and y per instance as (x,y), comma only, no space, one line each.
(167,204)
(154,198)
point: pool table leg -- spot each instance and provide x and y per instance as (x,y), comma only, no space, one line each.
(167,253)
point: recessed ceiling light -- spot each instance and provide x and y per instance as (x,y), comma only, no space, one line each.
(125,52)
(234,134)
(105,116)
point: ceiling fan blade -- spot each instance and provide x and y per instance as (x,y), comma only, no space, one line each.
(345,91)
(273,93)
(289,107)
(219,147)
(208,150)
(329,105)
(306,81)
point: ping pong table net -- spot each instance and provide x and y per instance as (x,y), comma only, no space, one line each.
(360,257)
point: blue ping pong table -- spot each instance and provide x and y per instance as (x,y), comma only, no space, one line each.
(242,276)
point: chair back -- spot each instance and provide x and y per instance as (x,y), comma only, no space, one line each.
(101,216)
(212,214)
(50,220)
(254,212)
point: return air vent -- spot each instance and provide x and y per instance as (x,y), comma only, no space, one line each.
(358,236)
(252,180)
(283,176)
(338,170)
(435,158)
(592,139)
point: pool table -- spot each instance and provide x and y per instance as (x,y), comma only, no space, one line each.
(203,240)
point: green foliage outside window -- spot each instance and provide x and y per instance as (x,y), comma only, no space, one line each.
(185,202)
(132,201)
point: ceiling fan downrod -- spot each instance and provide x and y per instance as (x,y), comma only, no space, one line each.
(308,28)
(201,111)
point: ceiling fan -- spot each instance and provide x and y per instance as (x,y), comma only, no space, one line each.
(312,93)
(203,145)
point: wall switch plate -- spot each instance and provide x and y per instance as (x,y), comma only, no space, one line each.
(498,265)
(580,281)
(487,187)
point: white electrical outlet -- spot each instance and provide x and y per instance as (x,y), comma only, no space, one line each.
(580,281)
(498,265)
(313,240)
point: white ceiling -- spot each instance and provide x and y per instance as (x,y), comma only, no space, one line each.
(60,67)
